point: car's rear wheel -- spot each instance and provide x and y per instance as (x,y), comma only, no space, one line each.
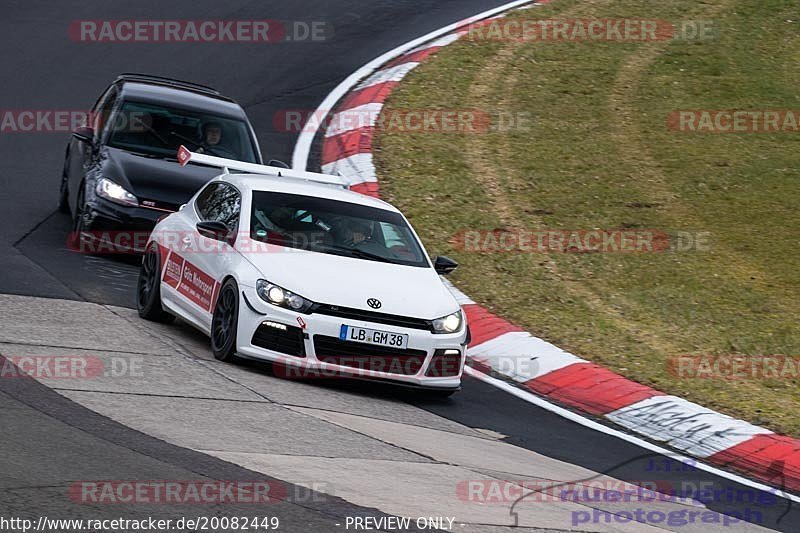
(148,288)
(224,324)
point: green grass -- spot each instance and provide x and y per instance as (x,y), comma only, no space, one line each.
(598,154)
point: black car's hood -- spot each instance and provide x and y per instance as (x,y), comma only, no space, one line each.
(160,180)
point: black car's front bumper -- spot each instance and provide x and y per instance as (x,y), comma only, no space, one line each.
(110,227)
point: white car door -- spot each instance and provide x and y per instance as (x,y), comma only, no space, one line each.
(197,265)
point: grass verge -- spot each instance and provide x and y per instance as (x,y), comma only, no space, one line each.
(597,153)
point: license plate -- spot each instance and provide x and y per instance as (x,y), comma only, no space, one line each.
(373,336)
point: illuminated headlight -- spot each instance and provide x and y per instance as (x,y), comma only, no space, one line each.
(111,191)
(276,295)
(448,324)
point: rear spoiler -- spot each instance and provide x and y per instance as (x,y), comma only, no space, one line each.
(185,156)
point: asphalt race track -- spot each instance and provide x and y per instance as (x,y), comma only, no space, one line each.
(47,70)
(48,440)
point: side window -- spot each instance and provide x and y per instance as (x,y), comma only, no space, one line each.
(102,112)
(201,204)
(390,235)
(220,202)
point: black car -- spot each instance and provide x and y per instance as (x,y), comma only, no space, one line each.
(121,173)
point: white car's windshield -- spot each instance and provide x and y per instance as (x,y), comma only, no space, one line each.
(157,130)
(333,227)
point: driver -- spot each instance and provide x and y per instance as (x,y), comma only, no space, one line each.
(211,135)
(352,233)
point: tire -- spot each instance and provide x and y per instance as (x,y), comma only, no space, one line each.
(224,324)
(77,221)
(80,205)
(148,288)
(63,195)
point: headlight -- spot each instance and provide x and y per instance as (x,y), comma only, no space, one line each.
(115,193)
(448,324)
(276,295)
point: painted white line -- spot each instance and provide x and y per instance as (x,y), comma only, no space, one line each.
(591,424)
(303,146)
(441,41)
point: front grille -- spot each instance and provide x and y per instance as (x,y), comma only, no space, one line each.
(444,365)
(288,341)
(367,356)
(372,316)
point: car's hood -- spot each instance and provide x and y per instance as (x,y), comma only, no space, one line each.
(161,180)
(337,280)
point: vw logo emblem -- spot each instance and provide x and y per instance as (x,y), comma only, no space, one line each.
(374,303)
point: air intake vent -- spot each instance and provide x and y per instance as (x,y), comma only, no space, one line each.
(280,338)
(368,357)
(444,364)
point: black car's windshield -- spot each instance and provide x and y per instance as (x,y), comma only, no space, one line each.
(158,131)
(333,227)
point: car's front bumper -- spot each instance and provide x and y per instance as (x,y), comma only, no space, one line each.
(116,228)
(317,351)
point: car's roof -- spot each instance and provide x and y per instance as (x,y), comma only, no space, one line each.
(257,182)
(185,99)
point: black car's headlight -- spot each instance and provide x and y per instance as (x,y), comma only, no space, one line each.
(113,192)
(448,324)
(277,295)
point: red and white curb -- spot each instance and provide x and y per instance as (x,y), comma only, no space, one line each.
(506,349)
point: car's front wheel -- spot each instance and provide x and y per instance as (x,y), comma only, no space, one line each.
(63,194)
(224,324)
(148,288)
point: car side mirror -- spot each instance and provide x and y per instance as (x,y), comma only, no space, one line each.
(443,265)
(277,163)
(84,134)
(213,229)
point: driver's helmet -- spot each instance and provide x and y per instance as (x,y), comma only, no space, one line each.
(205,126)
(350,228)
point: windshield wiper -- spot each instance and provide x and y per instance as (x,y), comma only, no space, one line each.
(361,254)
(149,155)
